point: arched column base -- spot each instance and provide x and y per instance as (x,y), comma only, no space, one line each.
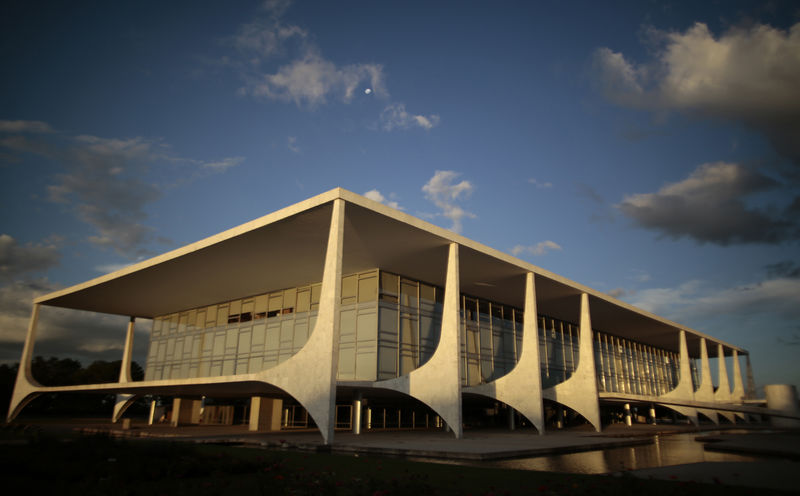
(123,402)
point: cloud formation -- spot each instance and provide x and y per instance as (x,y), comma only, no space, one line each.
(25,127)
(101,336)
(308,79)
(540,184)
(104,180)
(311,80)
(395,116)
(224,164)
(377,196)
(539,248)
(445,193)
(747,75)
(710,206)
(693,299)
(16,259)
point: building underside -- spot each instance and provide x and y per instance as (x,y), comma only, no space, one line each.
(340,312)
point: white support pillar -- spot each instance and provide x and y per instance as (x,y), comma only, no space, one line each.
(685,388)
(723,393)
(521,389)
(357,412)
(438,382)
(25,388)
(310,374)
(737,395)
(751,383)
(123,401)
(705,392)
(579,392)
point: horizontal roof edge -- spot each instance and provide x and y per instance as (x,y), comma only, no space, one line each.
(356,199)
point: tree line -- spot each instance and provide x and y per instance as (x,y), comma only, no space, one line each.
(55,371)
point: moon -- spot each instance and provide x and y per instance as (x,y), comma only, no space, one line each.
(368,91)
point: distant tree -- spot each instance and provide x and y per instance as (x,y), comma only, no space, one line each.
(67,372)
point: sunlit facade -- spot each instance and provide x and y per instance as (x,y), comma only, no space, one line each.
(343,313)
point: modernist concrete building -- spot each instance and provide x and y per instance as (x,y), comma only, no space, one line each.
(346,313)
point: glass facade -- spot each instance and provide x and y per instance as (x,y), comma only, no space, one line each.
(558,350)
(389,326)
(625,366)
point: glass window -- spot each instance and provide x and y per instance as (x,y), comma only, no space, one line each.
(408,293)
(303,299)
(349,289)
(367,289)
(389,287)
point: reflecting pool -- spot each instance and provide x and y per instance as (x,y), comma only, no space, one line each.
(666,450)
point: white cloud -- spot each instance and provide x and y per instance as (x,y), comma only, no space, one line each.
(101,336)
(444,192)
(710,206)
(539,248)
(749,75)
(25,127)
(395,116)
(291,143)
(695,299)
(376,195)
(104,182)
(16,259)
(109,268)
(540,185)
(311,80)
(224,164)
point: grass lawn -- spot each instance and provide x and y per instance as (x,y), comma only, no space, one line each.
(100,465)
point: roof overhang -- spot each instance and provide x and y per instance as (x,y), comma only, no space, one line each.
(287,248)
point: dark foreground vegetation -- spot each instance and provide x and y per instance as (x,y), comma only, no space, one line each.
(32,462)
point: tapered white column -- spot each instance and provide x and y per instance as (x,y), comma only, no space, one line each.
(25,386)
(685,388)
(705,392)
(123,401)
(579,392)
(521,388)
(738,386)
(437,383)
(723,392)
(309,376)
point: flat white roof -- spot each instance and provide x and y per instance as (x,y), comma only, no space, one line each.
(286,248)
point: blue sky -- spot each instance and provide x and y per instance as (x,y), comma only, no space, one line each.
(650,150)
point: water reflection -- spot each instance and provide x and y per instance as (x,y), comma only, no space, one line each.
(668,450)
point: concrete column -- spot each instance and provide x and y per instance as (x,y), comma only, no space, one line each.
(723,393)
(438,382)
(185,411)
(560,417)
(310,374)
(705,392)
(25,386)
(628,415)
(751,383)
(738,387)
(652,414)
(685,389)
(357,413)
(579,392)
(123,401)
(151,417)
(265,414)
(521,389)
(511,425)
